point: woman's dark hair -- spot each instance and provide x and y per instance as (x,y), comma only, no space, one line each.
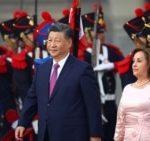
(146,52)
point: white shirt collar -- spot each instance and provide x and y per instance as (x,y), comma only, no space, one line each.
(61,63)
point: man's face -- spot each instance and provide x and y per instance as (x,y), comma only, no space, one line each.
(58,46)
(28,39)
(11,42)
(100,36)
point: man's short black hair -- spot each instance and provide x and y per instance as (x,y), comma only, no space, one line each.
(61,27)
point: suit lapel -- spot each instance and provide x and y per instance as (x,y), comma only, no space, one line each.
(67,67)
(46,77)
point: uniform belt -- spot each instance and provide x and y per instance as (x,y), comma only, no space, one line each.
(109,97)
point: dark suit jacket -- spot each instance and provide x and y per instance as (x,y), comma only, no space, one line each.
(73,112)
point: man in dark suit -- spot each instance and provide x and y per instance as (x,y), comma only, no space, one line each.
(71,112)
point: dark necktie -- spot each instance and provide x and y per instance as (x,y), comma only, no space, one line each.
(53,78)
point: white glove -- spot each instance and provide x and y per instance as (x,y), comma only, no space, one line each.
(35,126)
(14,124)
(104,66)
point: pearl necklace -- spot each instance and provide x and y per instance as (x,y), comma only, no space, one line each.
(140,84)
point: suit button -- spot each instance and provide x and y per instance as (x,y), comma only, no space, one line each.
(48,104)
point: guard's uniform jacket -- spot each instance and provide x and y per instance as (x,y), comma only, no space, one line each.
(22,73)
(6,91)
(107,83)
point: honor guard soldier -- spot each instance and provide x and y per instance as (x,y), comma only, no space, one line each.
(132,27)
(40,38)
(138,30)
(7,97)
(6,90)
(22,59)
(107,54)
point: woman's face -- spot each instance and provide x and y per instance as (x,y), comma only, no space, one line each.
(140,65)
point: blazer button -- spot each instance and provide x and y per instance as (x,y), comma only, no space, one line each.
(48,104)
